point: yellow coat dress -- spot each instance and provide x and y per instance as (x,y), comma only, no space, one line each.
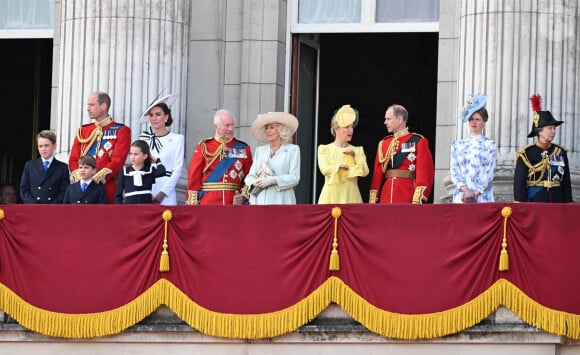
(341,186)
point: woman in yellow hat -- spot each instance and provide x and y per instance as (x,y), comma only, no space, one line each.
(340,162)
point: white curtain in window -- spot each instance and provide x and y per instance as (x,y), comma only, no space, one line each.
(329,11)
(26,14)
(407,11)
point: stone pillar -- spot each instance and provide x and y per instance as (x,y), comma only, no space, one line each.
(237,62)
(132,49)
(511,50)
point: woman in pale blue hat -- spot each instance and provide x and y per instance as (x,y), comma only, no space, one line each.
(473,159)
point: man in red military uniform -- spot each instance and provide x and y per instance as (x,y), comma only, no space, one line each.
(403,170)
(105,140)
(219,165)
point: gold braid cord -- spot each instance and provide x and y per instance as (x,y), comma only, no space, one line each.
(540,167)
(211,157)
(384,159)
(96,135)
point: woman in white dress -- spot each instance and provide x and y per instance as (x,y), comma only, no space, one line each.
(165,145)
(473,159)
(275,170)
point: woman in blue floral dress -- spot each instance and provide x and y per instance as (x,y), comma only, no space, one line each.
(473,158)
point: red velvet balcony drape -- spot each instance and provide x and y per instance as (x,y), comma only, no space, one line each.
(406,271)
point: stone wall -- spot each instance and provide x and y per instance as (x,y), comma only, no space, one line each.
(332,332)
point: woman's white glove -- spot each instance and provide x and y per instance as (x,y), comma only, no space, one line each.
(265,182)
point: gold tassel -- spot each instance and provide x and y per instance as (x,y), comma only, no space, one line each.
(504,261)
(164,262)
(334,264)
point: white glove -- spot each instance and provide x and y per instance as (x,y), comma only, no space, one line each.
(265,182)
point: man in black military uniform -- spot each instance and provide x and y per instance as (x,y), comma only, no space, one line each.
(542,171)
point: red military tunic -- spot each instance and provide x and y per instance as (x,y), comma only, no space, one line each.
(108,142)
(403,170)
(216,171)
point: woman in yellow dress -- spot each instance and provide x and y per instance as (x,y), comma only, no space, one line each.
(341,163)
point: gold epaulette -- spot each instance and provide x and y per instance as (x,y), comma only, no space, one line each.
(561,147)
(522,154)
(417,134)
(204,140)
(237,140)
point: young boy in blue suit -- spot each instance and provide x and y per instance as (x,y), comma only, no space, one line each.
(86,191)
(45,179)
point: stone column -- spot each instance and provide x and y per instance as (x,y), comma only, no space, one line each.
(511,50)
(237,62)
(132,49)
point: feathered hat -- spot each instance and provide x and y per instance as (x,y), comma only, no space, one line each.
(541,118)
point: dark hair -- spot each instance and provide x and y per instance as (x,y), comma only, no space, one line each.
(47,135)
(166,110)
(103,98)
(141,144)
(399,110)
(483,113)
(88,160)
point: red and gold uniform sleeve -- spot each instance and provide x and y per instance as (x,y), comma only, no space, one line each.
(424,172)
(378,176)
(194,175)
(75,154)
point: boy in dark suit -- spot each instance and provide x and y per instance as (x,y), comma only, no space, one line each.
(45,179)
(86,191)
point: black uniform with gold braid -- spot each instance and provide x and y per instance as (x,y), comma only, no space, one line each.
(542,170)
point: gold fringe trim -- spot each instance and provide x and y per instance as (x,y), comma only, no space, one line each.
(334,263)
(87,325)
(266,325)
(548,319)
(504,261)
(164,262)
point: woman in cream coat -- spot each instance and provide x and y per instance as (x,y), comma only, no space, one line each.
(275,170)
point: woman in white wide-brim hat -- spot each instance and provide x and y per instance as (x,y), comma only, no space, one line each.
(276,167)
(165,145)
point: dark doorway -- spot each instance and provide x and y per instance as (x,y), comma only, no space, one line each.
(370,72)
(26,69)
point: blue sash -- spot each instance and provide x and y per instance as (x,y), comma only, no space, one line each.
(225,164)
(533,191)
